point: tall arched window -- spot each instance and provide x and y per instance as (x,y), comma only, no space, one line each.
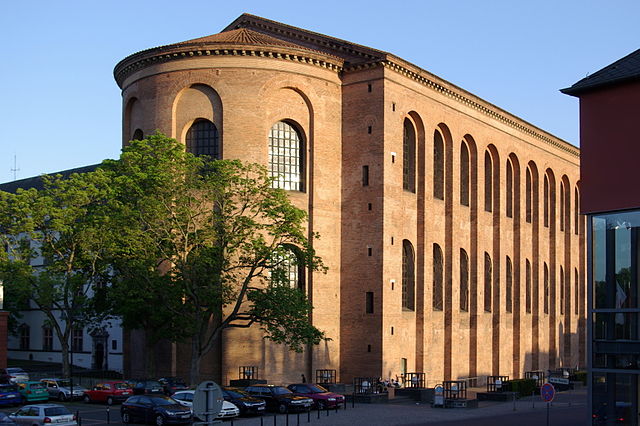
(25,337)
(546,201)
(464,281)
(488,274)
(409,157)
(488,182)
(529,196)
(464,174)
(562,205)
(509,289)
(576,211)
(527,298)
(408,276)
(546,289)
(438,165)
(287,268)
(509,209)
(576,294)
(437,278)
(562,290)
(286,157)
(202,139)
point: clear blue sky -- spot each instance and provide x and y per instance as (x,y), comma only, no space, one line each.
(61,108)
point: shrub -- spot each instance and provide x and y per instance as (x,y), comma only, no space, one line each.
(524,387)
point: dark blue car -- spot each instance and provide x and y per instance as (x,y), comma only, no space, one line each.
(9,394)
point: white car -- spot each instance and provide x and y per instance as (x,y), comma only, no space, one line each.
(61,389)
(15,374)
(186,398)
(44,414)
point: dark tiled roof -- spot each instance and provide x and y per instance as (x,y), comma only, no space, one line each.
(36,181)
(625,69)
(242,36)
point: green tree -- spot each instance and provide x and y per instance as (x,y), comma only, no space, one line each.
(55,250)
(200,246)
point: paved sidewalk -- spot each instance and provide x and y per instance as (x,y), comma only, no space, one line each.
(569,408)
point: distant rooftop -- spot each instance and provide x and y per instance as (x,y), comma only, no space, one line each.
(623,70)
(36,181)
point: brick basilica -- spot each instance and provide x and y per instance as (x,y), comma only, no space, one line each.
(449,226)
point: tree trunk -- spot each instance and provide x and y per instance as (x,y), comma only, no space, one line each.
(66,366)
(196,358)
(150,364)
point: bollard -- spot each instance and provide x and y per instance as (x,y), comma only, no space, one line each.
(514,401)
(336,407)
(533,398)
(353,400)
(297,419)
(108,416)
(309,416)
(287,417)
(79,420)
(231,421)
(261,421)
(274,420)
(318,413)
(327,410)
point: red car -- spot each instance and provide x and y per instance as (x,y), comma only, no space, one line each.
(322,398)
(108,392)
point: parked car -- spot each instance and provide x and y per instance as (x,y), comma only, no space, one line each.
(322,398)
(185,398)
(109,392)
(279,398)
(158,409)
(61,389)
(5,420)
(246,403)
(147,387)
(9,394)
(14,374)
(33,391)
(171,385)
(44,414)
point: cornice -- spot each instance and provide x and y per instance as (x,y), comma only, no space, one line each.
(143,59)
(469,101)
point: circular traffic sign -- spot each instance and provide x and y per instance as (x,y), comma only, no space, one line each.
(547,392)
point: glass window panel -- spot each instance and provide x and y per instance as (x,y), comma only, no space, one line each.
(285,157)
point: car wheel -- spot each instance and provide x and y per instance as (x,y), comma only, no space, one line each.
(126,418)
(61,396)
(109,401)
(282,408)
(159,420)
(87,399)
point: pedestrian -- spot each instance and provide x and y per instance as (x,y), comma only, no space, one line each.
(304,379)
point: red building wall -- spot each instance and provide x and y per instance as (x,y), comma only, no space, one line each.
(610,148)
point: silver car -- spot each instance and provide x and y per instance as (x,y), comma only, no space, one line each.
(61,389)
(44,414)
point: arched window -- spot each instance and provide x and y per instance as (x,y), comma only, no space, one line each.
(576,294)
(287,268)
(286,157)
(464,281)
(438,165)
(529,196)
(562,205)
(562,290)
(510,194)
(409,157)
(546,289)
(488,182)
(546,201)
(202,139)
(527,298)
(25,337)
(437,278)
(408,276)
(464,174)
(137,135)
(576,211)
(509,289)
(488,273)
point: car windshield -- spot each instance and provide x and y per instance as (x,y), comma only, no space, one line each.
(6,387)
(279,390)
(56,411)
(152,384)
(36,385)
(316,389)
(121,386)
(163,400)
(65,384)
(235,393)
(15,370)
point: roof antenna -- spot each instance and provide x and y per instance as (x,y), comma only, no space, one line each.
(15,169)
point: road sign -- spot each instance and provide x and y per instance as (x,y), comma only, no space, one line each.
(547,392)
(207,402)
